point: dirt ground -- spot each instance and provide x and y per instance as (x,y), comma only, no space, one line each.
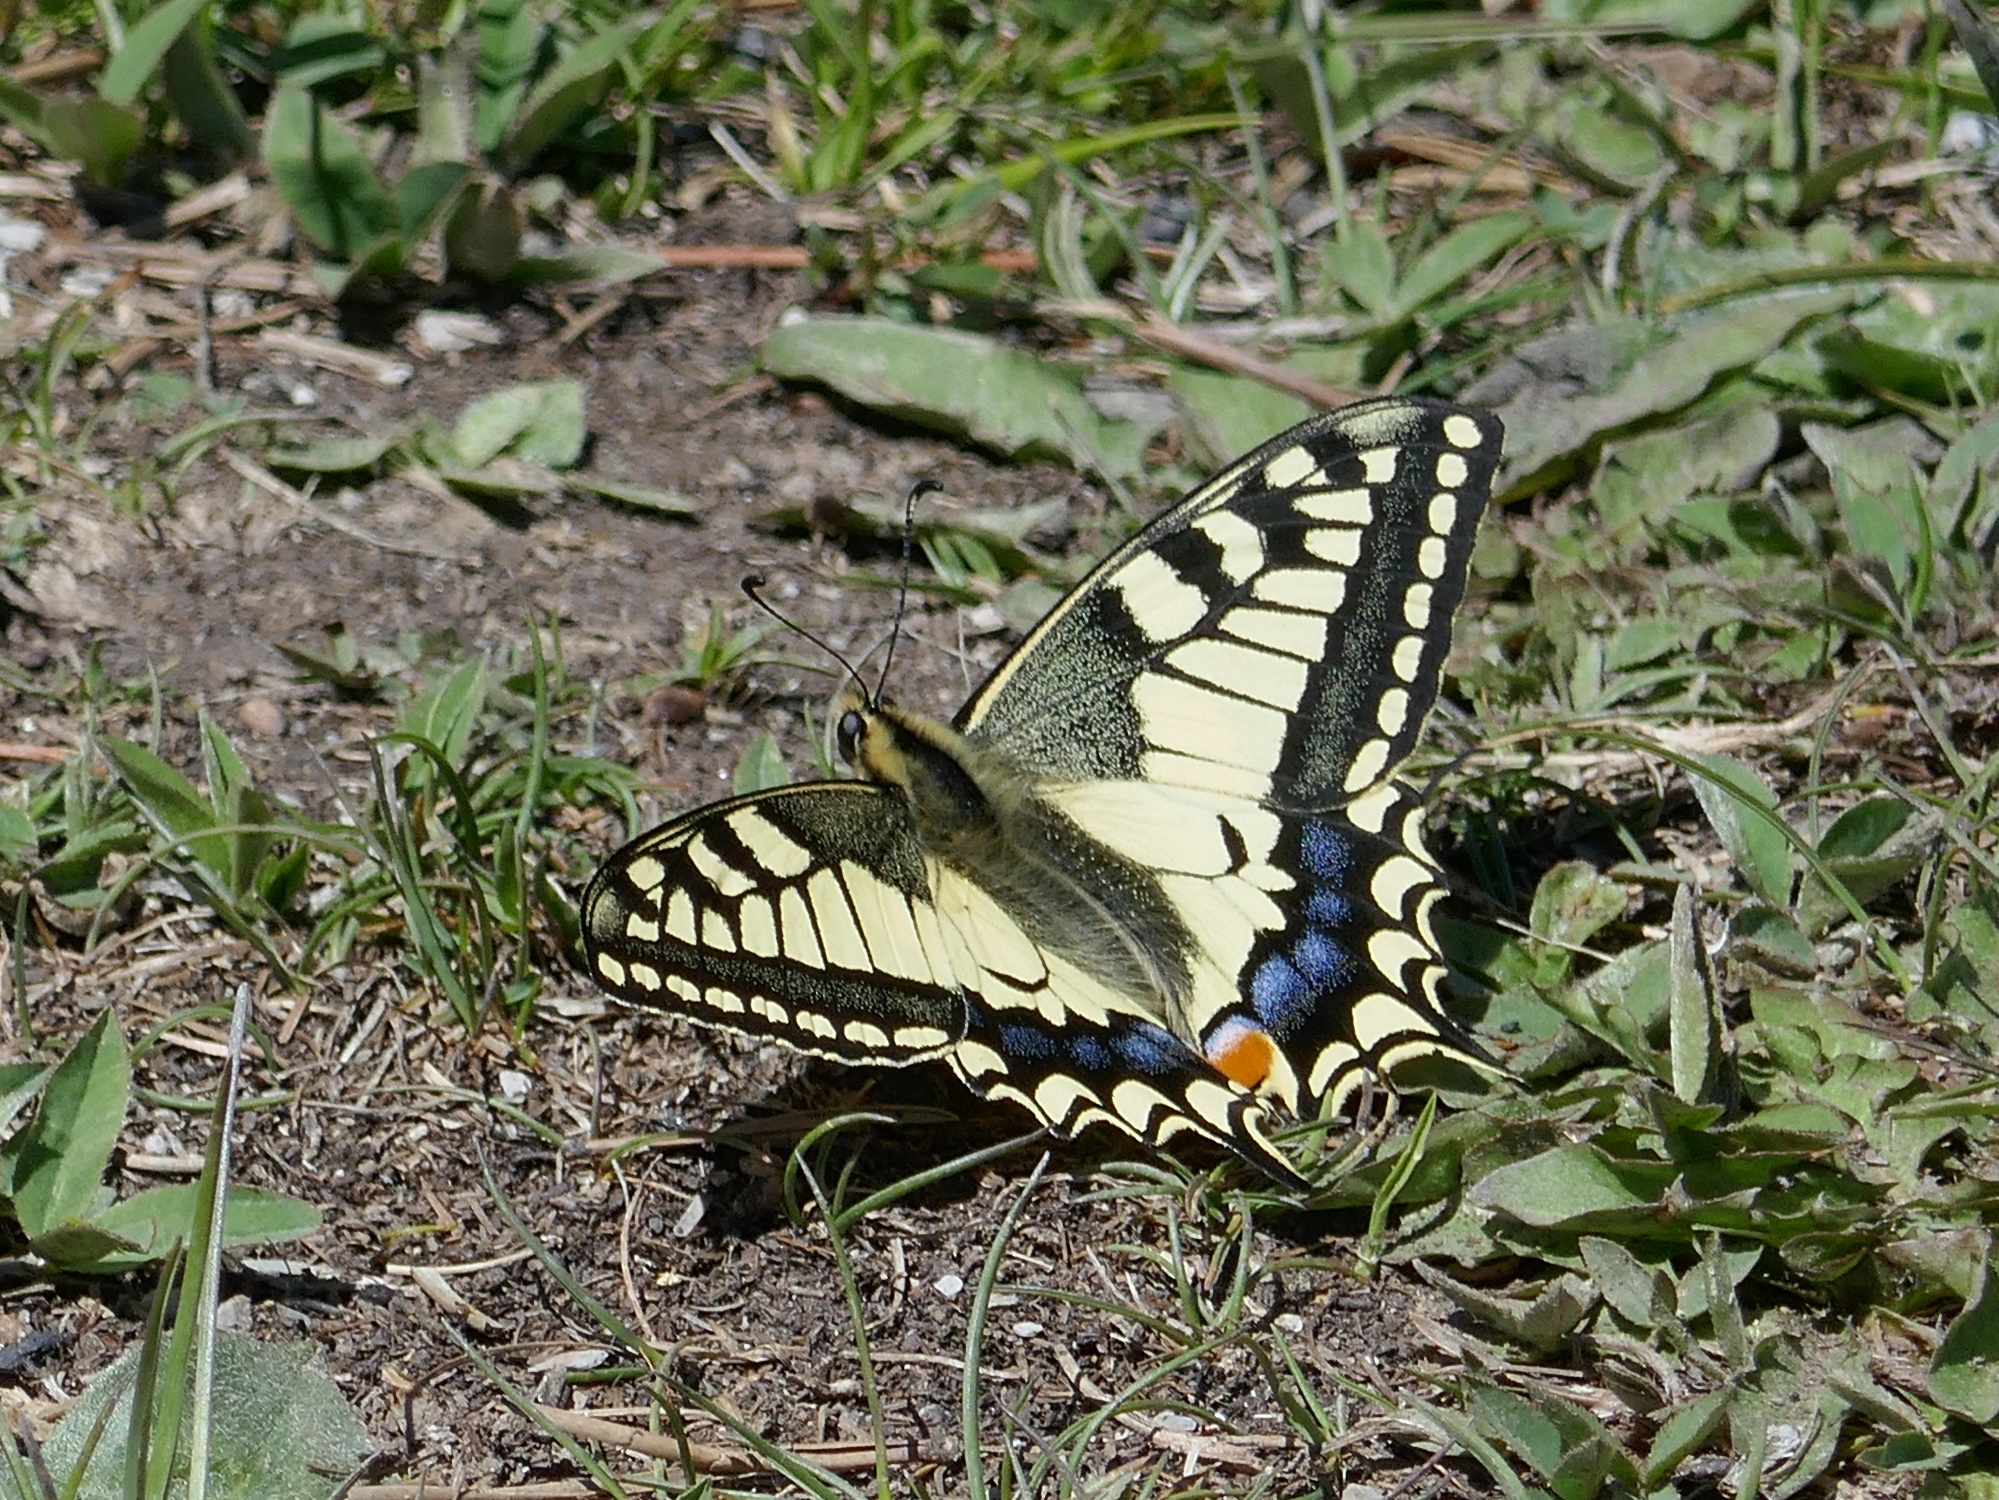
(382,1109)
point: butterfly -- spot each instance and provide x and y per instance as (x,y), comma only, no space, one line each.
(1158,872)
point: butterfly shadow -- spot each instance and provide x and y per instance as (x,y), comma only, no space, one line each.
(907,1122)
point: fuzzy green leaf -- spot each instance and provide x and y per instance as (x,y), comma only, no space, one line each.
(56,1166)
(1742,809)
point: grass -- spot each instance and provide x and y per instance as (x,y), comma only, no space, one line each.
(1717,765)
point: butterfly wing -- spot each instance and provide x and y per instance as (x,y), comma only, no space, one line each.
(802,914)
(1279,634)
(811,915)
(1225,700)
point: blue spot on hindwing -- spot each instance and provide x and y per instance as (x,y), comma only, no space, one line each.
(1034,1043)
(1150,1050)
(1279,994)
(1322,962)
(1324,853)
(1311,962)
(1326,907)
(1130,1047)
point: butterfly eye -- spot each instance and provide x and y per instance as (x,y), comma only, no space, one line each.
(848,736)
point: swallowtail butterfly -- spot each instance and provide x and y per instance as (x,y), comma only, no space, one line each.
(1159,871)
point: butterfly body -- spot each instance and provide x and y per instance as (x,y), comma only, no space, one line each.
(1157,872)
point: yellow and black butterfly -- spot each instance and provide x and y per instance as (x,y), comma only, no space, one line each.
(1158,872)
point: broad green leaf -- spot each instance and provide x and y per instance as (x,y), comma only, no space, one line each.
(445,715)
(556,433)
(77,1244)
(574,87)
(152,1220)
(1468,248)
(540,421)
(1574,902)
(1743,813)
(19,1083)
(1645,479)
(1586,126)
(1683,1433)
(1876,472)
(322,46)
(1571,1185)
(1871,848)
(1640,1294)
(1559,1439)
(1636,373)
(1964,1372)
(1864,827)
(280,1429)
(172,804)
(1360,262)
(1624,1001)
(1545,1321)
(488,426)
(482,236)
(324,177)
(1015,403)
(444,103)
(335,455)
(238,804)
(1771,938)
(1231,414)
(425,193)
(202,97)
(607,265)
(1932,342)
(95,133)
(373,263)
(145,48)
(1962,490)
(18,838)
(25,109)
(1642,641)
(509,36)
(56,1165)
(1950,1260)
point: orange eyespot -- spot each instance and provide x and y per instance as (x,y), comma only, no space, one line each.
(1242,1052)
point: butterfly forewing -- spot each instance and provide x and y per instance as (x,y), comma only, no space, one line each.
(802,914)
(1279,634)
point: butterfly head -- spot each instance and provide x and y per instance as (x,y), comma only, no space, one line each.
(861,734)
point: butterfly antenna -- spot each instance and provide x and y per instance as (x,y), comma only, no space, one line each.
(753,587)
(917,491)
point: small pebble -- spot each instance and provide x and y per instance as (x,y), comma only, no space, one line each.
(675,703)
(261,717)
